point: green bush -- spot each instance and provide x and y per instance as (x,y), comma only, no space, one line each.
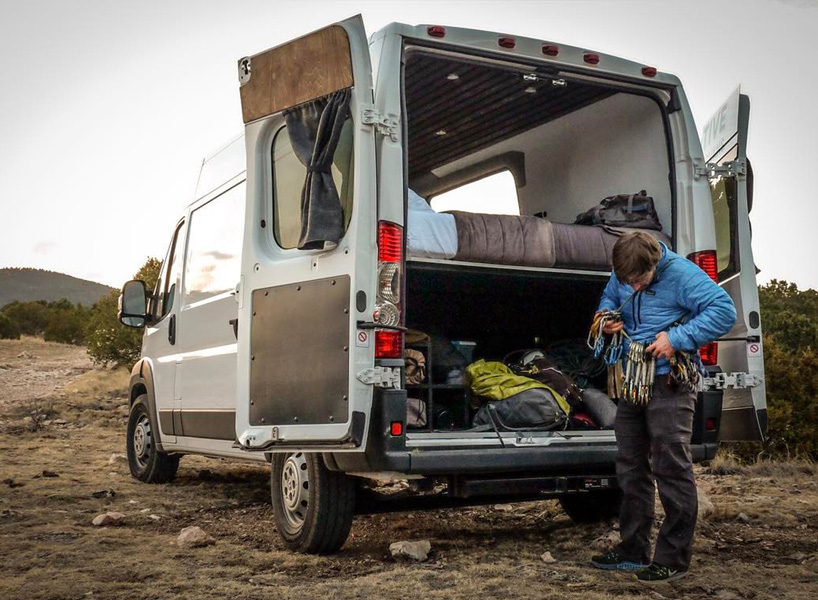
(790,324)
(9,330)
(66,322)
(31,317)
(108,341)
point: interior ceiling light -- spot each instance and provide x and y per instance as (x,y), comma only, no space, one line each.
(441,132)
(452,76)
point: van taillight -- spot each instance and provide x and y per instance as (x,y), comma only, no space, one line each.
(591,58)
(550,49)
(388,343)
(390,242)
(437,31)
(706,261)
(649,71)
(710,354)
(507,42)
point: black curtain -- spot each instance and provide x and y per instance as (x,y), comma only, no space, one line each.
(314,129)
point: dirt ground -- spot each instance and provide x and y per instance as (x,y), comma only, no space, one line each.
(62,420)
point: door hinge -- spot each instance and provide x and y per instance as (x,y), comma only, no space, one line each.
(728,169)
(736,381)
(385,377)
(386,125)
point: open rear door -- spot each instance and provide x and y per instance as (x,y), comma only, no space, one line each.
(740,354)
(302,296)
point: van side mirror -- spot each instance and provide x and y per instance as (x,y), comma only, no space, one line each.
(133,304)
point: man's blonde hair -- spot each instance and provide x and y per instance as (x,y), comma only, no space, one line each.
(634,254)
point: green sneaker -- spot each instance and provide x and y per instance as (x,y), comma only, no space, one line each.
(656,573)
(613,562)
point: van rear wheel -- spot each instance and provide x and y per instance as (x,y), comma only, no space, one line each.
(592,507)
(313,507)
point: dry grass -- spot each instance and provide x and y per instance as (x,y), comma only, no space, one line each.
(51,551)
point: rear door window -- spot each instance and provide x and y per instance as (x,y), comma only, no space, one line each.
(289,175)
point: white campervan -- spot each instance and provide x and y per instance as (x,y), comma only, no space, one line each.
(301,276)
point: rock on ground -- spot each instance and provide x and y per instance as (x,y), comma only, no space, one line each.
(706,507)
(194,537)
(109,518)
(118,458)
(547,558)
(413,550)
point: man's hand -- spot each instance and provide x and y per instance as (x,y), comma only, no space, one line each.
(612,327)
(661,347)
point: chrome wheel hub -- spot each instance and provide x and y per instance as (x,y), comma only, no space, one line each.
(142,441)
(295,489)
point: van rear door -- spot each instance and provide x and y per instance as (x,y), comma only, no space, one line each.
(740,354)
(301,295)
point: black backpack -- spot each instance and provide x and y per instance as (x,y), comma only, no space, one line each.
(623,210)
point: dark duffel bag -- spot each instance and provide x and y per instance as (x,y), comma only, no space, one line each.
(531,409)
(623,210)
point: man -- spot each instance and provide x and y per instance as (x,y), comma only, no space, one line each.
(667,300)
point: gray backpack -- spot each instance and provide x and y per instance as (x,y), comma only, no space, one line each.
(623,210)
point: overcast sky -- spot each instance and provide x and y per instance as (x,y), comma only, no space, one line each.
(107,107)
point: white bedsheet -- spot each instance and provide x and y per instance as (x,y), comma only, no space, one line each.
(429,234)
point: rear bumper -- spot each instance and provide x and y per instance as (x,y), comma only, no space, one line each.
(389,453)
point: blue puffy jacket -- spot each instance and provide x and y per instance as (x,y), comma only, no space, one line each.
(680,291)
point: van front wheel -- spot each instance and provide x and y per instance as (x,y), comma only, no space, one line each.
(313,506)
(592,507)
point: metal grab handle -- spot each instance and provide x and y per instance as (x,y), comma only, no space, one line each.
(235,324)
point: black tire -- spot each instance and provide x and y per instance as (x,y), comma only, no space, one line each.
(592,507)
(146,462)
(312,506)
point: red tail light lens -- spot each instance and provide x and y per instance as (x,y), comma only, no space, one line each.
(388,343)
(590,58)
(437,31)
(507,42)
(706,261)
(649,71)
(397,428)
(550,49)
(710,354)
(390,242)
(710,424)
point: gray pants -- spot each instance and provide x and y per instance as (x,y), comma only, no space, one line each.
(659,436)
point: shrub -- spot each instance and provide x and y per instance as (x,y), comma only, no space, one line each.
(108,341)
(31,317)
(9,330)
(66,322)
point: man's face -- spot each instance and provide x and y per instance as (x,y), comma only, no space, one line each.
(642,281)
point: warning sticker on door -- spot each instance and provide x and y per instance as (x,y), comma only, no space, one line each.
(754,349)
(362,339)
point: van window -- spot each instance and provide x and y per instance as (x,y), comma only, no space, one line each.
(495,194)
(213,262)
(723,193)
(168,275)
(288,180)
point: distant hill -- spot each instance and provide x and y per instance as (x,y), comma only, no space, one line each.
(37,284)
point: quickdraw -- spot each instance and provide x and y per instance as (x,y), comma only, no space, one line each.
(635,383)
(610,350)
(640,375)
